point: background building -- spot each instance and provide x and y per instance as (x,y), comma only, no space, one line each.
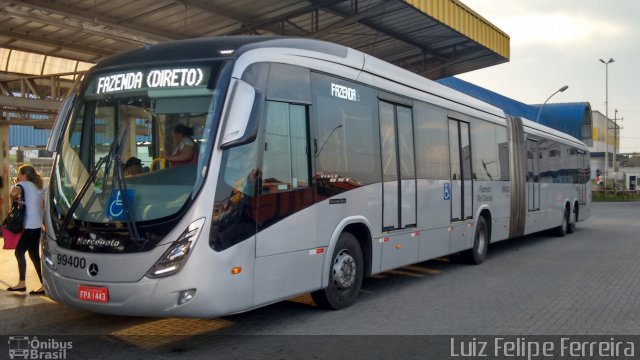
(598,148)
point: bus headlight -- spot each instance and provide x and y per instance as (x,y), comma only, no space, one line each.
(47,256)
(176,255)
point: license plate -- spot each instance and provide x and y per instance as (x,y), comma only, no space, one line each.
(93,294)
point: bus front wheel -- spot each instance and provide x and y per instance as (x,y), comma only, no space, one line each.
(345,275)
(478,253)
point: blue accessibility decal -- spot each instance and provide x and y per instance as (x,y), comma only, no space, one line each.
(115,208)
(447,191)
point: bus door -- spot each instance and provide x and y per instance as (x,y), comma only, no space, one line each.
(398,167)
(461,173)
(286,182)
(399,185)
(286,261)
(583,177)
(533,176)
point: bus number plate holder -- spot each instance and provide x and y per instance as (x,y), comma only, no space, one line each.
(93,294)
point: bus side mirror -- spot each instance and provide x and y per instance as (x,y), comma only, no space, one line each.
(240,116)
(61,119)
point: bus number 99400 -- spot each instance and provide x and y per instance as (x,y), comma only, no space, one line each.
(73,261)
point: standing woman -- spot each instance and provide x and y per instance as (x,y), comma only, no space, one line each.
(31,182)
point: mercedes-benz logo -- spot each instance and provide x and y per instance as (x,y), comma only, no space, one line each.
(93,269)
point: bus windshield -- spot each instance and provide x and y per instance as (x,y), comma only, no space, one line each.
(146,139)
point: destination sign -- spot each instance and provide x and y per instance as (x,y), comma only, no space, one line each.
(344,92)
(119,82)
(151,79)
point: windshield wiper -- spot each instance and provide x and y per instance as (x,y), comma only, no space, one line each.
(83,190)
(115,150)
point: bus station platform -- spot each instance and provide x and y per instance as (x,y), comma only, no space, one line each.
(19,310)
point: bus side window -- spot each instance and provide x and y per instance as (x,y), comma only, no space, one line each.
(285,163)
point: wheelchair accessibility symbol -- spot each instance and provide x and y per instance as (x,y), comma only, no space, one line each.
(446,191)
(115,209)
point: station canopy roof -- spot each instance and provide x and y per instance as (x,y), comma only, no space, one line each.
(433,38)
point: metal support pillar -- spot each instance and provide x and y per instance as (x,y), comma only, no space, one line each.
(5,203)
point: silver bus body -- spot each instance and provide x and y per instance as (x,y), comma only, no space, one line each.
(403,217)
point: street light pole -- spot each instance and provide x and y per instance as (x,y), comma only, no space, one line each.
(606,125)
(540,109)
(615,138)
(616,141)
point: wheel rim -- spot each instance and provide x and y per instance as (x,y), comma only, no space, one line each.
(344,270)
(482,241)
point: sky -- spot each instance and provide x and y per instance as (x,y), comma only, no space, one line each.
(559,42)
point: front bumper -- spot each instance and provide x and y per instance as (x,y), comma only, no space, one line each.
(218,291)
(147,297)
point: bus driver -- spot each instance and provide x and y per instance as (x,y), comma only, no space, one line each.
(185,150)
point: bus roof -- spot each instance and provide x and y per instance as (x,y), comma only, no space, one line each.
(214,48)
(232,47)
(553,132)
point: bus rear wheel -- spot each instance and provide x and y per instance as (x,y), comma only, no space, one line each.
(571,228)
(345,275)
(563,229)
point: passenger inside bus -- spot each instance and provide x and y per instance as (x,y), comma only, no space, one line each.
(185,148)
(133,166)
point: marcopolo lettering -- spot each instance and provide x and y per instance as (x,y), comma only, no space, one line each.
(160,78)
(98,242)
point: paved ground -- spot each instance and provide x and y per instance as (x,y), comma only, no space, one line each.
(9,277)
(585,283)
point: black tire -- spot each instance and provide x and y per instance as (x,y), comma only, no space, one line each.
(481,239)
(563,229)
(344,285)
(574,220)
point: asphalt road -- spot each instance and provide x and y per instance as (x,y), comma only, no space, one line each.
(586,283)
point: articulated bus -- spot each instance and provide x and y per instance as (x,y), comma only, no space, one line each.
(313,166)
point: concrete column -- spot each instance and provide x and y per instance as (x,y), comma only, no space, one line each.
(5,203)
